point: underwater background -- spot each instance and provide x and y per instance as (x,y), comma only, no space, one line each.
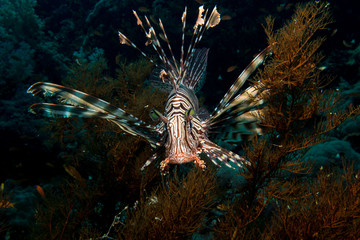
(81,179)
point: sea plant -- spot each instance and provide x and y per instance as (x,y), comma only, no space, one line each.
(300,110)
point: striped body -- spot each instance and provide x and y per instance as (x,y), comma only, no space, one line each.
(181,132)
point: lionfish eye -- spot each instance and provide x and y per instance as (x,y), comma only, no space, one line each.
(155,114)
(189,113)
(188,116)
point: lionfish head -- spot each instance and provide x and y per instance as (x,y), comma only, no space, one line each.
(182,128)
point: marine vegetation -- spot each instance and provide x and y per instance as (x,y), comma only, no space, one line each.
(5,203)
(173,210)
(299,112)
(287,108)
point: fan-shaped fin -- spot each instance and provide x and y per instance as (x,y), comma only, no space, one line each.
(194,77)
(65,111)
(238,121)
(217,153)
(235,88)
(87,106)
(236,117)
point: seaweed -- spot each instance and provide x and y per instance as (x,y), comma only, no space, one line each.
(63,211)
(175,210)
(329,211)
(299,111)
(5,204)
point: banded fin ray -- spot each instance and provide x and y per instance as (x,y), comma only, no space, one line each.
(239,82)
(239,121)
(185,72)
(77,98)
(235,118)
(195,76)
(157,83)
(66,111)
(219,154)
(87,106)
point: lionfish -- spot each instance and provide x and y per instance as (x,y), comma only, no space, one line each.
(182,131)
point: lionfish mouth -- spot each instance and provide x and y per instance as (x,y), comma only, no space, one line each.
(181,158)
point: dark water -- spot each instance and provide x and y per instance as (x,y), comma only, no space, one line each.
(43,41)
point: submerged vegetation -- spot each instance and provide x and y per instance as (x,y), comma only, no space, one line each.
(174,210)
(299,111)
(104,195)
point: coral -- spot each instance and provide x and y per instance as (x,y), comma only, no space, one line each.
(16,62)
(93,60)
(300,109)
(24,46)
(19,32)
(99,6)
(350,131)
(18,21)
(331,154)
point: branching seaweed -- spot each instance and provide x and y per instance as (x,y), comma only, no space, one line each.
(175,210)
(330,211)
(299,111)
